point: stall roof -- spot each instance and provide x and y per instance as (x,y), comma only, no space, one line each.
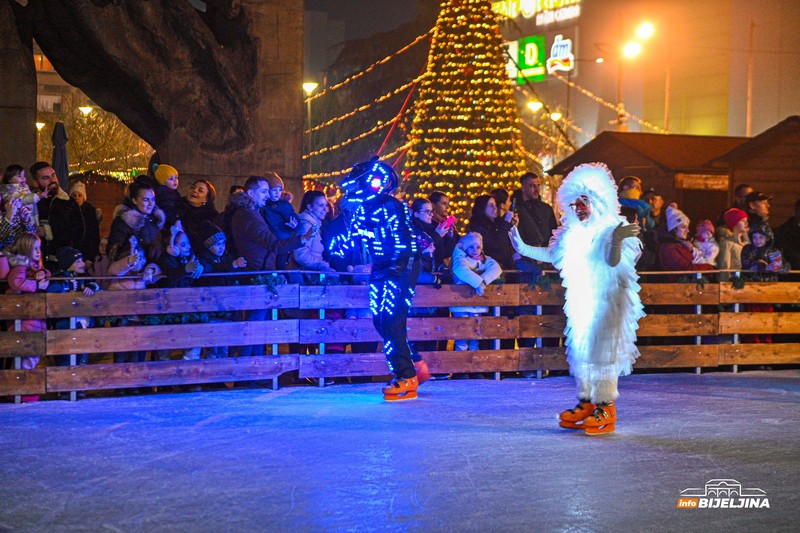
(788,126)
(675,153)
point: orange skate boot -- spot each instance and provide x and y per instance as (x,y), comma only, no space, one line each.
(602,420)
(571,418)
(423,374)
(401,389)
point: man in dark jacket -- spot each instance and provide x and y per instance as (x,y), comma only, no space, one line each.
(59,215)
(536,218)
(255,241)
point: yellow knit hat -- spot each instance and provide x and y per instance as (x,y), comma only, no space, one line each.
(163,172)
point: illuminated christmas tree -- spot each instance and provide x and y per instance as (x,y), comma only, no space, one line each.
(465,138)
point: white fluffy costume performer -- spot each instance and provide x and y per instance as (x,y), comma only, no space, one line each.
(595,250)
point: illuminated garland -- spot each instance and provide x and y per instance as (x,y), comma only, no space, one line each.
(540,133)
(619,110)
(334,174)
(368,69)
(365,106)
(465,137)
(110,159)
(357,137)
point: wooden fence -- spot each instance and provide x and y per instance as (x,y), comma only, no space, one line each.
(682,318)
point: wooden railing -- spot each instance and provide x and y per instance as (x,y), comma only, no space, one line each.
(663,333)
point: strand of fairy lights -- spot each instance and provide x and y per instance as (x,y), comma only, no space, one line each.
(108,160)
(368,69)
(324,175)
(617,108)
(571,125)
(358,137)
(365,106)
(542,134)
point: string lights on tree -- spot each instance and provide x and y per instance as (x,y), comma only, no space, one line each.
(465,138)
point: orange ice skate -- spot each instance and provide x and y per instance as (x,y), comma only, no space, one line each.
(401,389)
(601,421)
(571,418)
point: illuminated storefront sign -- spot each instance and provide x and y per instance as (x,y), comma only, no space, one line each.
(544,11)
(561,56)
(531,59)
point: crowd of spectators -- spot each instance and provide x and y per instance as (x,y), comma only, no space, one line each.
(164,239)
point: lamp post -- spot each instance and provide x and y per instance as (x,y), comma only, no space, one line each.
(309,87)
(630,50)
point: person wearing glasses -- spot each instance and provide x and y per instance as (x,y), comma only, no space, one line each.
(595,251)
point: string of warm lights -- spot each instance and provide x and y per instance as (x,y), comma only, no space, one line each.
(571,125)
(336,173)
(620,110)
(357,137)
(532,156)
(108,160)
(550,138)
(368,69)
(365,106)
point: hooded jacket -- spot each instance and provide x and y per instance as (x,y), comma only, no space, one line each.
(129,221)
(253,239)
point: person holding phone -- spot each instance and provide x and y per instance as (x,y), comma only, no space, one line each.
(445,227)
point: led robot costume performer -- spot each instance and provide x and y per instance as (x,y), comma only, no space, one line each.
(595,252)
(382,225)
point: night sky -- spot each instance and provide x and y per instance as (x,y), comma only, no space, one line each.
(367,17)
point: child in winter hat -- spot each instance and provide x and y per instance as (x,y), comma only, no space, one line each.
(705,244)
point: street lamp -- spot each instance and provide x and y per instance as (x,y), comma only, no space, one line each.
(629,50)
(39,126)
(309,87)
(86,109)
(535,105)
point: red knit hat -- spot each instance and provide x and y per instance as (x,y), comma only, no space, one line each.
(733,216)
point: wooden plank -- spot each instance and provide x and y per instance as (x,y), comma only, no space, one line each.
(374,364)
(343,364)
(429,328)
(759,354)
(548,358)
(13,382)
(651,357)
(783,292)
(472,361)
(685,356)
(679,294)
(747,323)
(549,326)
(542,326)
(22,343)
(357,296)
(185,300)
(123,375)
(22,306)
(554,295)
(124,339)
(677,325)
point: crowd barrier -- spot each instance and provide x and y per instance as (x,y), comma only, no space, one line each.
(697,324)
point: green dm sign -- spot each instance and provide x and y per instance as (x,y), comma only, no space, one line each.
(531,59)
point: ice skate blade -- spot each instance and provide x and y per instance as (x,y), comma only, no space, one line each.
(570,425)
(608,428)
(400,397)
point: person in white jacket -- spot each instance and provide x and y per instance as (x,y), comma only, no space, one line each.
(595,252)
(471,267)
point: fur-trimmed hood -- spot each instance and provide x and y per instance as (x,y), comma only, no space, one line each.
(241,199)
(136,220)
(15,260)
(594,180)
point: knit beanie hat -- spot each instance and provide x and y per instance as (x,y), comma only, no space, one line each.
(78,186)
(733,216)
(675,217)
(66,256)
(705,225)
(209,234)
(163,172)
(469,239)
(274,180)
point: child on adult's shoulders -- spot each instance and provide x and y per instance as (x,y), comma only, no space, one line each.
(167,195)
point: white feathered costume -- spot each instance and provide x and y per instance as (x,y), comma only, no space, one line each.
(602,302)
